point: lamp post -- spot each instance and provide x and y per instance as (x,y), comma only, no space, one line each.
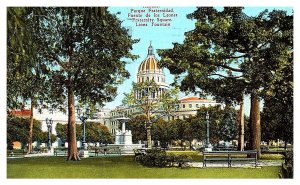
(83,116)
(49,123)
(208,146)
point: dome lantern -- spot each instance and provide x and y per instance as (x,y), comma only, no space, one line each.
(150,49)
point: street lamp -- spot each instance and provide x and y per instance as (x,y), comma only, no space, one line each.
(207,144)
(83,116)
(49,123)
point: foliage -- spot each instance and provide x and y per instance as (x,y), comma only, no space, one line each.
(97,132)
(230,54)
(62,131)
(277,115)
(222,126)
(164,131)
(79,44)
(287,169)
(43,137)
(138,129)
(215,119)
(159,158)
(151,107)
(26,77)
(27,80)
(228,126)
(76,44)
(18,129)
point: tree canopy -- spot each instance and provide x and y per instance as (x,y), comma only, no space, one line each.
(230,54)
(83,53)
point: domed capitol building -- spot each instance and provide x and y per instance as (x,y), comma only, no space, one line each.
(147,71)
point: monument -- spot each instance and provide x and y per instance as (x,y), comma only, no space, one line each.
(123,138)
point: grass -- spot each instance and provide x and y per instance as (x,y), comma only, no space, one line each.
(120,167)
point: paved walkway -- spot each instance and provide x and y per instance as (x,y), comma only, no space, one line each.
(236,164)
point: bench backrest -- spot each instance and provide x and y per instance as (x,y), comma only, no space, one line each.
(230,152)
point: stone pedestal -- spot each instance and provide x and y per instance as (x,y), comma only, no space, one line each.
(84,153)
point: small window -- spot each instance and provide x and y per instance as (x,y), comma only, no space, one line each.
(183,106)
(157,79)
(197,105)
(190,105)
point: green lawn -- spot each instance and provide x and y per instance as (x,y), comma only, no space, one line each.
(120,167)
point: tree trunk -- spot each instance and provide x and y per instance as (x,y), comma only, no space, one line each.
(241,127)
(71,137)
(148,127)
(149,142)
(30,128)
(255,124)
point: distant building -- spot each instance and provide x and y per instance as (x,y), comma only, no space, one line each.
(21,113)
(149,70)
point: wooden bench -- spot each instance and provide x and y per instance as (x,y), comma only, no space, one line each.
(106,150)
(60,151)
(229,156)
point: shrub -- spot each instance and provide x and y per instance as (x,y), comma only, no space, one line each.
(159,158)
(287,170)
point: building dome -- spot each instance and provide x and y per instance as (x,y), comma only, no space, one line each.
(150,63)
(149,70)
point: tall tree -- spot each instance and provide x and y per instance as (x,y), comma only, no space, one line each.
(137,125)
(164,131)
(149,106)
(277,115)
(228,55)
(84,48)
(26,77)
(228,125)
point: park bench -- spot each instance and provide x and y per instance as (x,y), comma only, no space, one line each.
(106,150)
(229,156)
(60,151)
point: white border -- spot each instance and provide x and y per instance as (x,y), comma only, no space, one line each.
(177,3)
